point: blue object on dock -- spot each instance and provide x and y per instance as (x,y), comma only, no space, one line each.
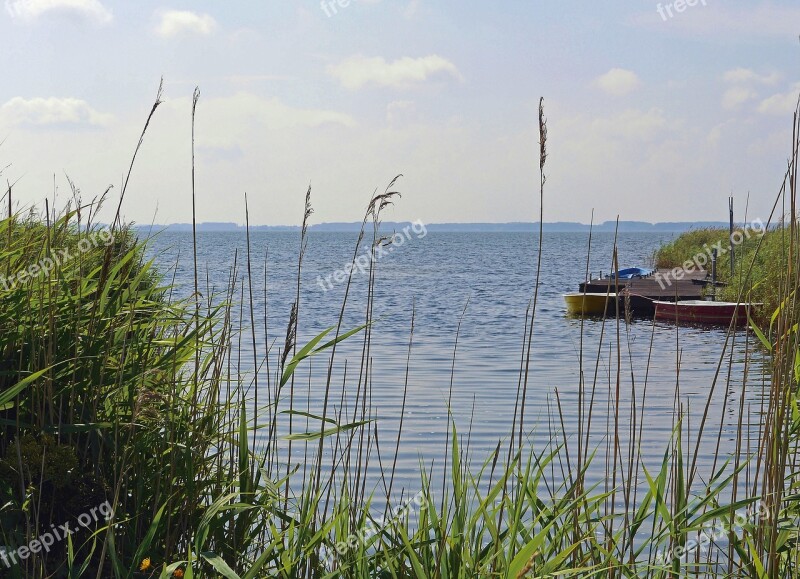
(632,273)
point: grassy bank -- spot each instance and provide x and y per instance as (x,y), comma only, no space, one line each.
(126,415)
(759,268)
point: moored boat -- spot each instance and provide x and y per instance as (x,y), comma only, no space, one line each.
(632,273)
(703,312)
(594,304)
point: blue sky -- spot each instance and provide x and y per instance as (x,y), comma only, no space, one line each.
(651,117)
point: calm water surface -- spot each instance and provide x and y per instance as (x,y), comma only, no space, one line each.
(492,276)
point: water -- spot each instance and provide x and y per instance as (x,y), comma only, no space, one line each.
(489,278)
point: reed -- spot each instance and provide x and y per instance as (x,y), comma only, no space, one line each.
(114,389)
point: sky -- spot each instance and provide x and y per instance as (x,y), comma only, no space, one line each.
(656,111)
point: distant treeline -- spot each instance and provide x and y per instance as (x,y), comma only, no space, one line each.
(560,226)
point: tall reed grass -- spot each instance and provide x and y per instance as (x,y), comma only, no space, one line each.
(115,389)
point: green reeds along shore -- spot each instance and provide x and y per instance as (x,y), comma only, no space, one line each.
(123,415)
(761,260)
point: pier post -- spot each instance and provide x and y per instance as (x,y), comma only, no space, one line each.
(730,236)
(714,274)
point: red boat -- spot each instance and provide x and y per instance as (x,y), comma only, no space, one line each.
(703,312)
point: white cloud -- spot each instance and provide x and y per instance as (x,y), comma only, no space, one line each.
(736,96)
(51,111)
(727,21)
(30,10)
(747,76)
(411,10)
(245,112)
(172,23)
(744,82)
(618,82)
(632,125)
(781,103)
(359,71)
(398,111)
(715,135)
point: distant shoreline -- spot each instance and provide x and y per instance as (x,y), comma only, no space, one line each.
(556,227)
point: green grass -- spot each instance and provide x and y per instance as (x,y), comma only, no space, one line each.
(112,390)
(760,263)
(687,245)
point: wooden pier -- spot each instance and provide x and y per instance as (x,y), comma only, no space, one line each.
(641,292)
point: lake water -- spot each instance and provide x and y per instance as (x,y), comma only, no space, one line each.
(492,275)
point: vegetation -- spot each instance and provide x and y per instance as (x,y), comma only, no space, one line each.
(114,391)
(691,243)
(760,262)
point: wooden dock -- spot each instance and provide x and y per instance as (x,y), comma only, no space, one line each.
(642,291)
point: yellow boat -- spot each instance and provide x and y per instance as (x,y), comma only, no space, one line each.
(588,304)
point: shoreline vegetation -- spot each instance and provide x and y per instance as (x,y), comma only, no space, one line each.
(759,268)
(132,439)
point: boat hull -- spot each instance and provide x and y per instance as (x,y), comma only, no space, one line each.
(589,304)
(703,312)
